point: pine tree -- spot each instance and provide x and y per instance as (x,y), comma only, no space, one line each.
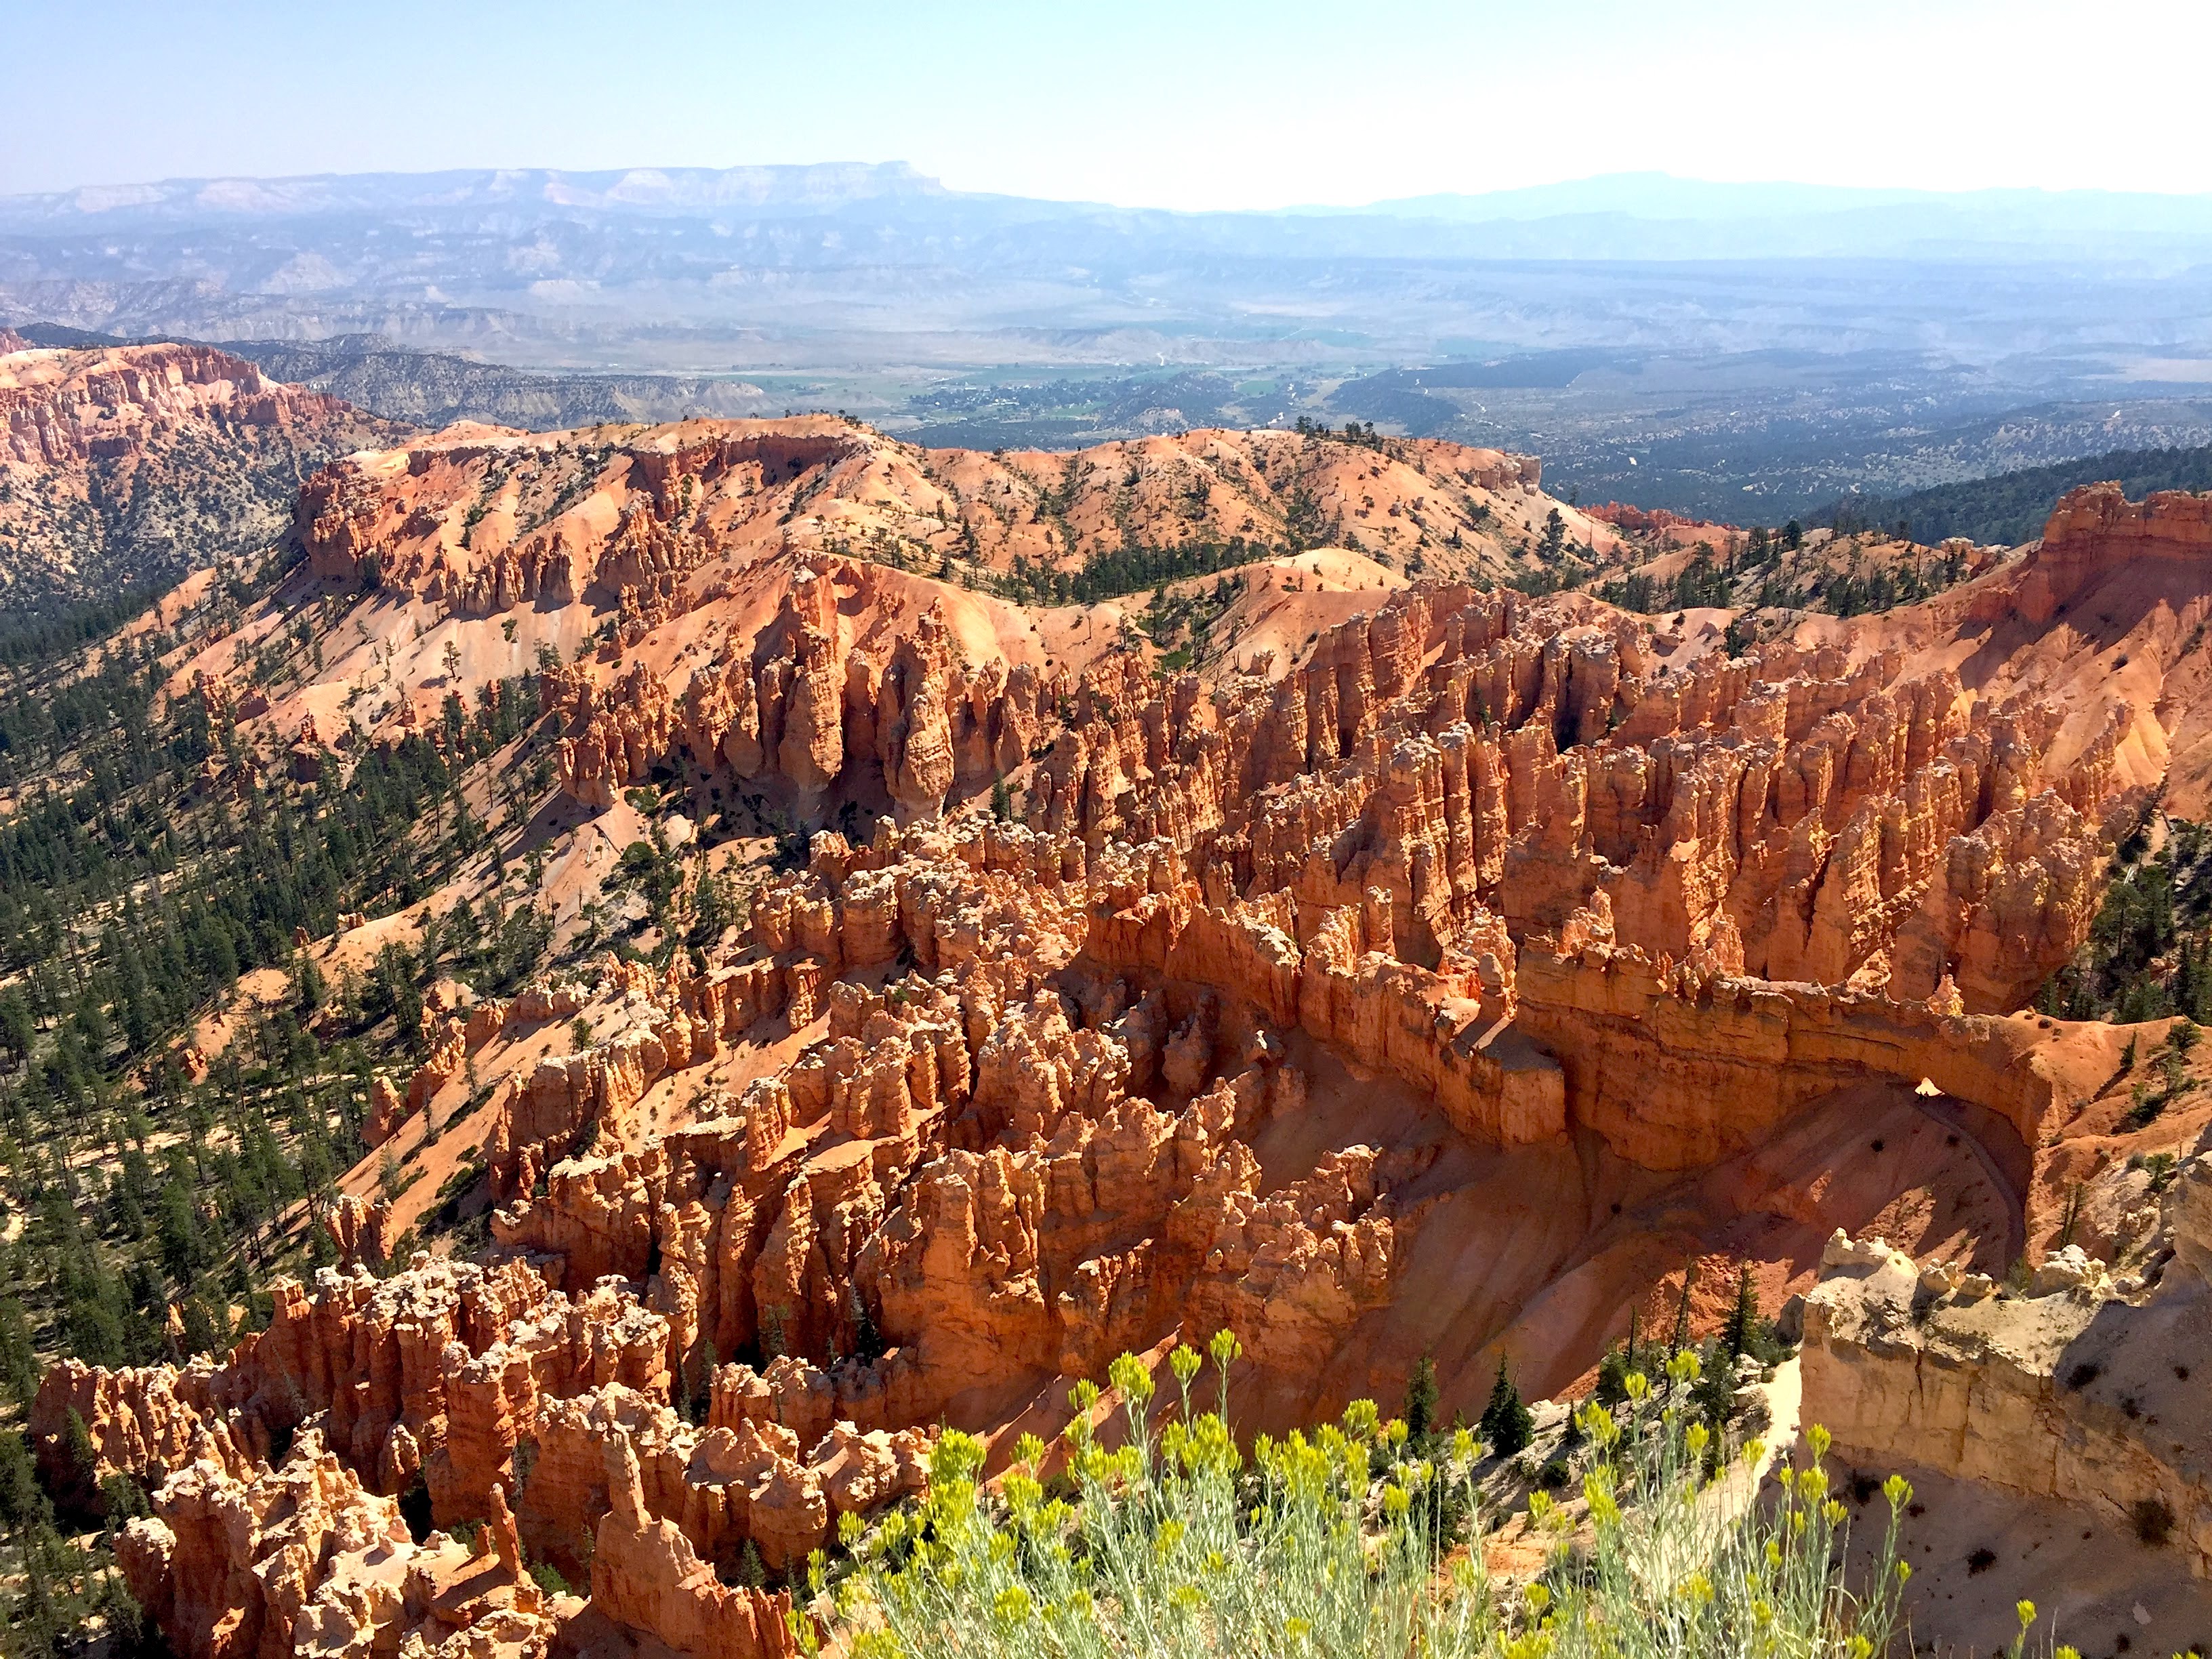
(1507,1425)
(19,1357)
(308,989)
(1421,1400)
(868,1340)
(22,1502)
(1681,1338)
(79,1494)
(36,1623)
(1740,1335)
(752,1571)
(1555,540)
(1613,1376)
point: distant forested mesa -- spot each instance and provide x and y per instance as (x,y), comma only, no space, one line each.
(2010,508)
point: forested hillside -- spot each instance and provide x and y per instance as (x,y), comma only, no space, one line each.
(2010,508)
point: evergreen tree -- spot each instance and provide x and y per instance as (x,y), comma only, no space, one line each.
(1613,1376)
(22,1502)
(1713,1396)
(34,1621)
(1421,1400)
(18,1030)
(19,1359)
(868,1340)
(1554,539)
(1740,1335)
(1681,1338)
(308,989)
(752,1571)
(79,1486)
(1507,1425)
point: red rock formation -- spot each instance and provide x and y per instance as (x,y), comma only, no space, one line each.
(2095,526)
(361,1228)
(1472,757)
(479,519)
(813,706)
(302,1559)
(473,1382)
(645,1578)
(1440,992)
(170,452)
(387,1110)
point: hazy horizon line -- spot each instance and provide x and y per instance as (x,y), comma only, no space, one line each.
(1861,192)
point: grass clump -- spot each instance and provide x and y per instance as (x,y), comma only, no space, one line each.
(1356,1538)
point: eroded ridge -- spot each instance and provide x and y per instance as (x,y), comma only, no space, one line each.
(1436,988)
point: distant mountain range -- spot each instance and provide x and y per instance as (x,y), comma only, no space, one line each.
(1654,214)
(629,190)
(1724,350)
(1626,216)
(846,265)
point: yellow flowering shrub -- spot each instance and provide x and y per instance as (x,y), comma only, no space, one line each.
(1179,1543)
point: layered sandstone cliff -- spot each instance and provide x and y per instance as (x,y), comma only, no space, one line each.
(134,462)
(2065,1410)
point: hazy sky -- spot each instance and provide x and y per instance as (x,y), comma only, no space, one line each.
(1174,105)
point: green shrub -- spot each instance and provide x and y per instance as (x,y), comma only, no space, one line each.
(1176,1543)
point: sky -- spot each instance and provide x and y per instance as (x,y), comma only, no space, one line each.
(1187,106)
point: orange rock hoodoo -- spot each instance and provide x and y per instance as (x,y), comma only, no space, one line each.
(1798,814)
(1435,994)
(807,706)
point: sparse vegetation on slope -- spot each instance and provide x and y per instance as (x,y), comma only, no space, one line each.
(145,871)
(138,463)
(2149,952)
(1848,575)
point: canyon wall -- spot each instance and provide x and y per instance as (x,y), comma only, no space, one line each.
(132,463)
